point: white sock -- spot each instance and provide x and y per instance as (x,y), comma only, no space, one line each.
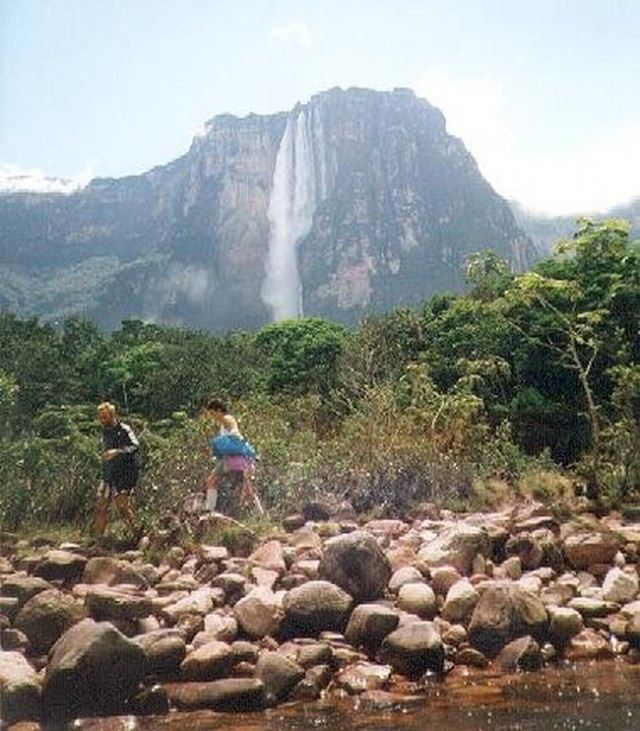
(212,499)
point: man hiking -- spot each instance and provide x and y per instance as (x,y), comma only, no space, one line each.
(120,468)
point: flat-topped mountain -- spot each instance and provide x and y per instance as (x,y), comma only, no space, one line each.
(356,202)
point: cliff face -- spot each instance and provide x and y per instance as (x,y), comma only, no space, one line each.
(358,201)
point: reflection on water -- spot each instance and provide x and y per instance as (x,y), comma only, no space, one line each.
(578,697)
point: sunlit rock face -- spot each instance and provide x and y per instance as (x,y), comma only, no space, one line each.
(356,202)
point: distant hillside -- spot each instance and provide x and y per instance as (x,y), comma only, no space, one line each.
(545,231)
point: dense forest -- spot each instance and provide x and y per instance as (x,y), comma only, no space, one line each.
(523,376)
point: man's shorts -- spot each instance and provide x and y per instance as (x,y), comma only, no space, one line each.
(109,490)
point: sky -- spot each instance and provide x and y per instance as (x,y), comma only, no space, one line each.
(544,93)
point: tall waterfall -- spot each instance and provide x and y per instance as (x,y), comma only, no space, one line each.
(299,183)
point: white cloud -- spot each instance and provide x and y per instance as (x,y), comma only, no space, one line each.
(604,173)
(14,179)
(296,33)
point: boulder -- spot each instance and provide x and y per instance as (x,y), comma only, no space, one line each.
(503,613)
(314,607)
(279,674)
(418,599)
(164,651)
(208,662)
(58,565)
(456,546)
(620,586)
(93,670)
(23,587)
(105,603)
(521,654)
(584,549)
(259,612)
(19,689)
(227,694)
(356,563)
(110,571)
(363,676)
(46,617)
(460,602)
(413,650)
(369,624)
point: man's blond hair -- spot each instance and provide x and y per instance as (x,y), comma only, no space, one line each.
(107,406)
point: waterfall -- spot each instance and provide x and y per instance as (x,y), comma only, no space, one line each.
(299,182)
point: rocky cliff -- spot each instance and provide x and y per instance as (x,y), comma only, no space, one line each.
(356,202)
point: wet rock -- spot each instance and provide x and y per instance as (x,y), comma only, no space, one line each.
(228,694)
(504,613)
(564,623)
(315,679)
(363,676)
(93,670)
(521,654)
(46,617)
(20,694)
(588,645)
(471,657)
(279,674)
(413,650)
(356,563)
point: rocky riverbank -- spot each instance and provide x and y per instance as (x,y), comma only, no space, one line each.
(320,607)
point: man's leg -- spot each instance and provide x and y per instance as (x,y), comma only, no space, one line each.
(100,515)
(124,508)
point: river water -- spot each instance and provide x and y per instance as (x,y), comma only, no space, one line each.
(603,695)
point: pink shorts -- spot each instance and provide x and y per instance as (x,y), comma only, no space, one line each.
(235,463)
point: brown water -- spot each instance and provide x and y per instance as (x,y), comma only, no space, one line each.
(583,696)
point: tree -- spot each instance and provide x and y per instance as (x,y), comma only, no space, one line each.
(302,355)
(571,308)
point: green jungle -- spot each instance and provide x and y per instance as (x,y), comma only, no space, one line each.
(526,386)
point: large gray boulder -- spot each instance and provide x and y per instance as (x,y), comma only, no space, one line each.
(356,563)
(503,613)
(315,607)
(93,670)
